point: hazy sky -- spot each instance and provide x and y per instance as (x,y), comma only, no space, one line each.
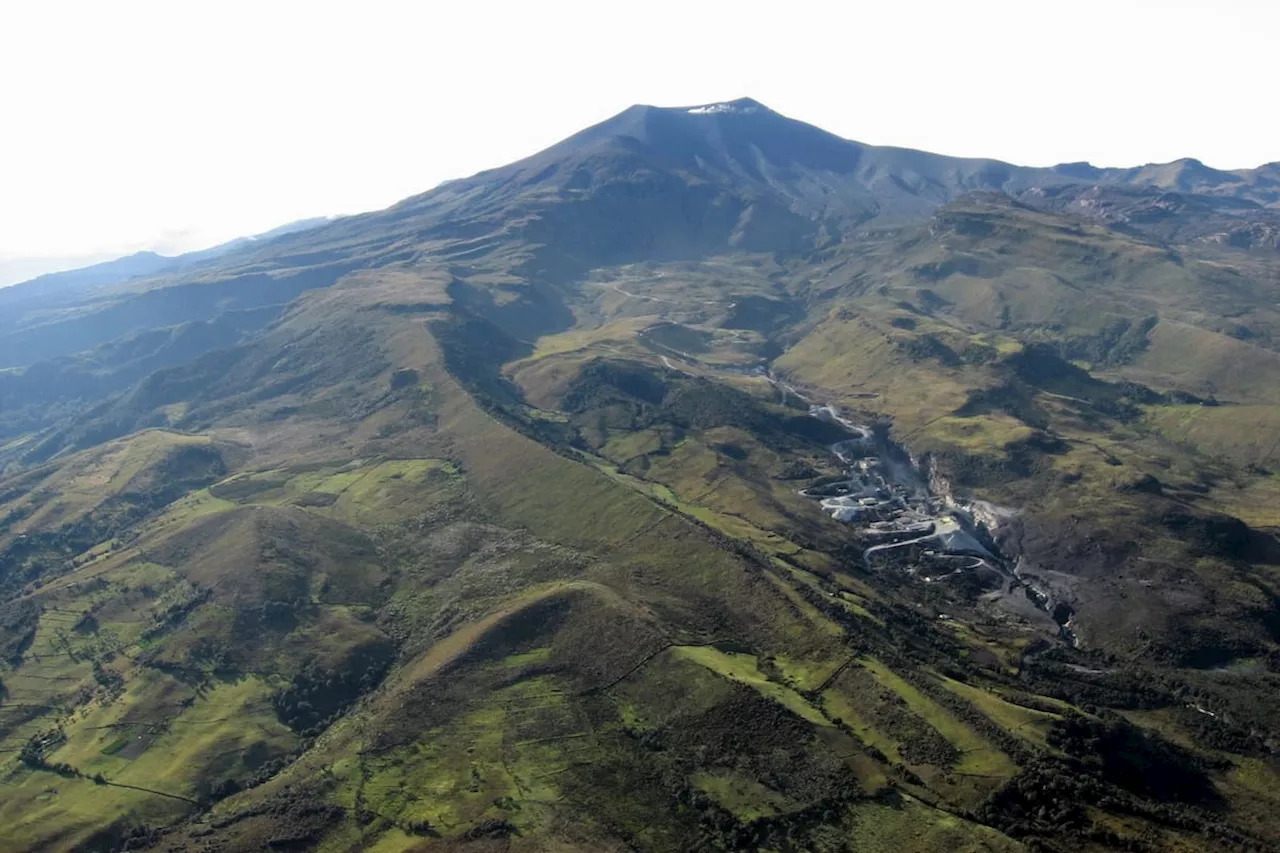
(175,125)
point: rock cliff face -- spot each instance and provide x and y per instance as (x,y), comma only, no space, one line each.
(1045,597)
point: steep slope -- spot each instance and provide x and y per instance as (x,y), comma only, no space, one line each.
(702,482)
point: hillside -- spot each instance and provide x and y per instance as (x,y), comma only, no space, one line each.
(705,481)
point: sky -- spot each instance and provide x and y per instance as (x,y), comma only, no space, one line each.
(172,126)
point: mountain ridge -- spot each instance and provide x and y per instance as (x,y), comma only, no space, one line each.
(835,153)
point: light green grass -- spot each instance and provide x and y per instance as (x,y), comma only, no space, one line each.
(79,483)
(744,669)
(806,674)
(747,799)
(204,742)
(185,510)
(840,707)
(977,756)
(914,826)
(513,747)
(1025,722)
(730,525)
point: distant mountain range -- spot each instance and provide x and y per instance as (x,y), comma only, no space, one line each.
(705,481)
(148,263)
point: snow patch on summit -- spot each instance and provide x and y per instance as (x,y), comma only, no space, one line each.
(729,107)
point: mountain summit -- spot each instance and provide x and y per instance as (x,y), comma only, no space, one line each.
(744,155)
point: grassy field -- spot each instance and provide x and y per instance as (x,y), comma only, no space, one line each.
(743,669)
(67,492)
